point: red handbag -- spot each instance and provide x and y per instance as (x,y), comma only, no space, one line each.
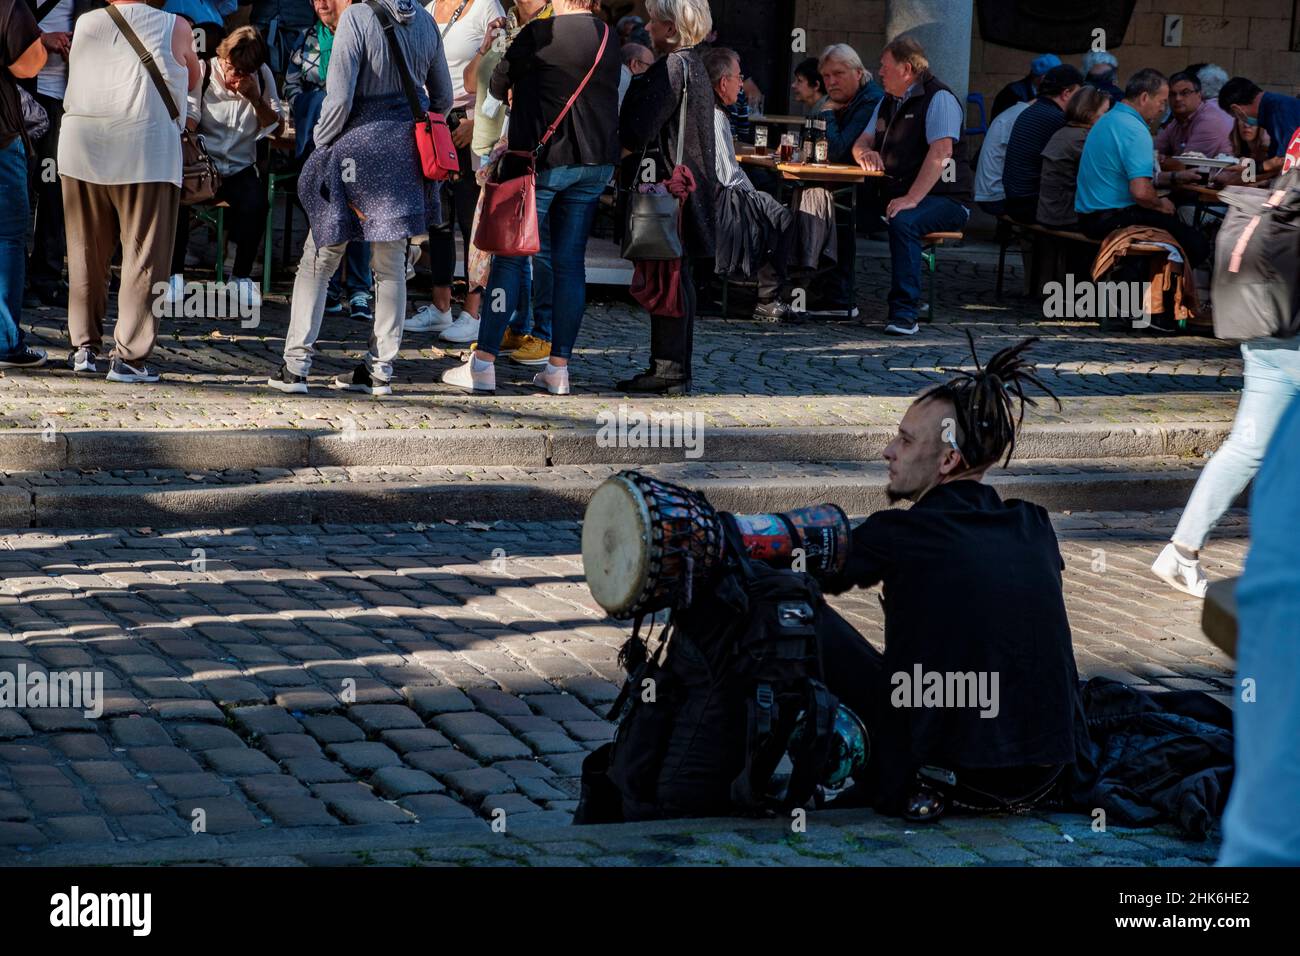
(507,225)
(438,160)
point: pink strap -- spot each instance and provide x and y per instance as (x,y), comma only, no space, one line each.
(550,131)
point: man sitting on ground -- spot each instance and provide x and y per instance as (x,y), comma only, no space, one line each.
(1117,187)
(914,137)
(972,593)
(1023,171)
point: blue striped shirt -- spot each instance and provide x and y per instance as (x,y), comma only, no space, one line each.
(1023,169)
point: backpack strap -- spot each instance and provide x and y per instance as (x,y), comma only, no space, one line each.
(399,58)
(146,58)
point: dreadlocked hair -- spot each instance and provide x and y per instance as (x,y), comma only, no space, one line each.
(984,403)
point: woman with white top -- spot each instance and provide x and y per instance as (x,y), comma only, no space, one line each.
(120,160)
(462,24)
(235,107)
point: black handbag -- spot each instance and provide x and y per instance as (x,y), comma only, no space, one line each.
(654,219)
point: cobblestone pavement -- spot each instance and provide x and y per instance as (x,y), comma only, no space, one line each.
(807,374)
(362,684)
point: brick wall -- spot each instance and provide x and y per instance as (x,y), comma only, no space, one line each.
(1246,37)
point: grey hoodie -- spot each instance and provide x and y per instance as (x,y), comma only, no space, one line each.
(362,68)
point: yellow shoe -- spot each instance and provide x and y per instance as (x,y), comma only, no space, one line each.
(533,351)
(513,340)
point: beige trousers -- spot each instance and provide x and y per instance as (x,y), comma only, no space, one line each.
(143,217)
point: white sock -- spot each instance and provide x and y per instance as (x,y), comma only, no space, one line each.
(552,368)
(479,365)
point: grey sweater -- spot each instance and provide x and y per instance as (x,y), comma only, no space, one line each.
(361,64)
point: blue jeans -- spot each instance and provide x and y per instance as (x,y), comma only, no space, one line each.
(1272,383)
(932,214)
(566,207)
(1258,830)
(14,212)
(357,259)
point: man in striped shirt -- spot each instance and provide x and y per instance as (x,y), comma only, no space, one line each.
(1023,168)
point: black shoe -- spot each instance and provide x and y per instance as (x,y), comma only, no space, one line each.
(833,311)
(23,358)
(55,296)
(285,381)
(361,381)
(651,382)
(359,307)
(925,806)
(124,372)
(333,306)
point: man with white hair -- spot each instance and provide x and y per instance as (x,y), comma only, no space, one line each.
(1100,69)
(852,97)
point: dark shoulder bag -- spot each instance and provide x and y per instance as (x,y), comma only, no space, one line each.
(653,219)
(199,177)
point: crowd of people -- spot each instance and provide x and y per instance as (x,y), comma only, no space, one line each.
(592,101)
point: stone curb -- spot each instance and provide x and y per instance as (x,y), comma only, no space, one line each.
(376,837)
(858,492)
(202,449)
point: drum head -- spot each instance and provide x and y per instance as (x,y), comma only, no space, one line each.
(616,546)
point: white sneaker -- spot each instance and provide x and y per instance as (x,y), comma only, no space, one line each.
(428,319)
(463,330)
(414,250)
(250,296)
(464,376)
(175,294)
(555,379)
(1178,572)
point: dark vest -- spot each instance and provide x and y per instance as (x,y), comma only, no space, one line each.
(900,140)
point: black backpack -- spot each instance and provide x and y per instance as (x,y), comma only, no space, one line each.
(705,720)
(1256,287)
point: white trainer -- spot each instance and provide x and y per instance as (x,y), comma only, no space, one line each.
(430,318)
(464,376)
(175,294)
(1179,572)
(250,296)
(554,378)
(463,330)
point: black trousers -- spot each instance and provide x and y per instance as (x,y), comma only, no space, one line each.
(458,199)
(245,221)
(1022,208)
(1098,225)
(855,673)
(673,339)
(45,265)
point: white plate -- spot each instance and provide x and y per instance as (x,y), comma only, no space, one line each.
(1206,161)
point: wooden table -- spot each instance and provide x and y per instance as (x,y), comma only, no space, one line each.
(825,172)
(1205,197)
(752,159)
(1219,615)
(777,119)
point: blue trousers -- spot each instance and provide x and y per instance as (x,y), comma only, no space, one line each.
(932,214)
(566,206)
(14,213)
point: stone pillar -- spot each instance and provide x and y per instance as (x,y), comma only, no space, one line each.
(943,27)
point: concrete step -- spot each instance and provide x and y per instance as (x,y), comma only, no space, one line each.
(672,439)
(427,494)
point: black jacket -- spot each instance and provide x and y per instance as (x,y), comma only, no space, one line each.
(649,119)
(1144,758)
(972,583)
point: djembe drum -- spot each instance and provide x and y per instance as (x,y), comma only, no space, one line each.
(647,544)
